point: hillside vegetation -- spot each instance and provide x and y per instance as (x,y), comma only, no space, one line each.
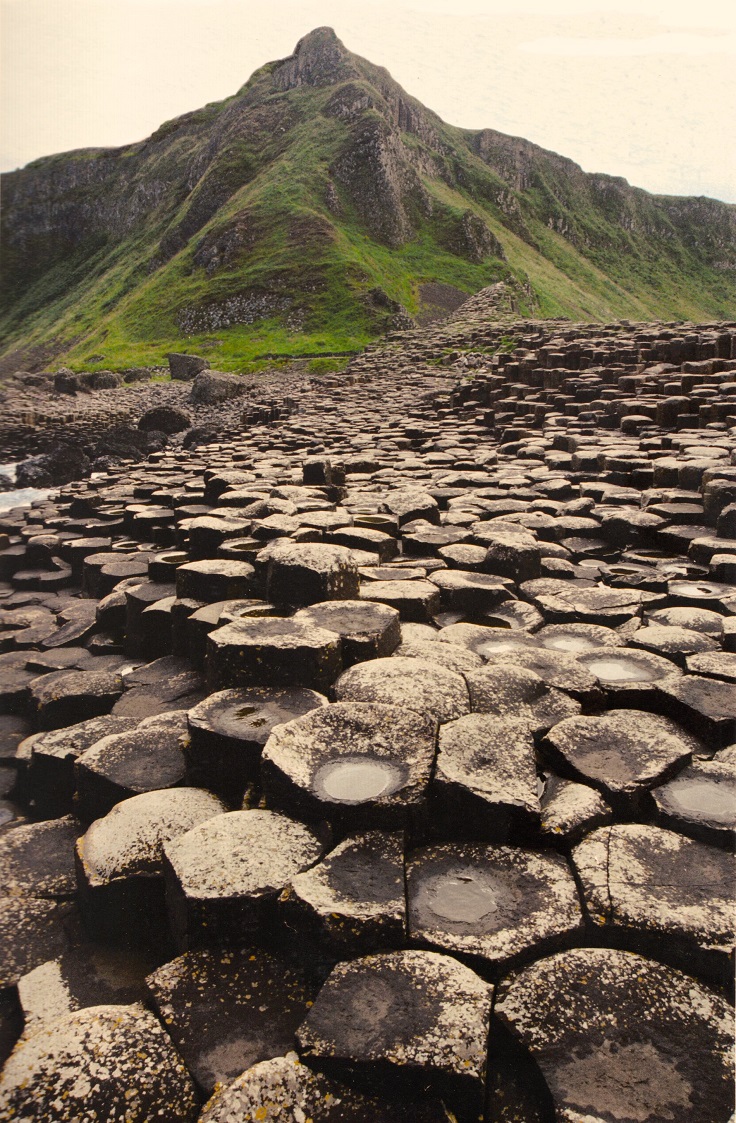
(320,206)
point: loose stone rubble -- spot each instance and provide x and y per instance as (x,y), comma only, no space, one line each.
(376,760)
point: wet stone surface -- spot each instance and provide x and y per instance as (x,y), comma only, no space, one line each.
(460,619)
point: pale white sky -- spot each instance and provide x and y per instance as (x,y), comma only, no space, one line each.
(640,88)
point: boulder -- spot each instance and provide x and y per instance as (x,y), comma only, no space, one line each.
(184,368)
(212,386)
(164,419)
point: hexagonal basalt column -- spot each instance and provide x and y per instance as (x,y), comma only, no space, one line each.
(423,686)
(619,1037)
(285,1089)
(105,1062)
(701,800)
(353,900)
(308,572)
(519,695)
(485,782)
(223,876)
(274,653)
(228,730)
(361,764)
(623,753)
(497,904)
(226,1011)
(119,861)
(367,631)
(412,1018)
(654,891)
(214,580)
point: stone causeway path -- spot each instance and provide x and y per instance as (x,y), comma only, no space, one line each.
(376,762)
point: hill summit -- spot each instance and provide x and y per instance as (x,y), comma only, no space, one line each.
(321,205)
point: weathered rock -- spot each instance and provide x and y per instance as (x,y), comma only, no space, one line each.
(273,653)
(184,367)
(518,694)
(225,874)
(284,1088)
(659,893)
(147,758)
(364,764)
(415,601)
(227,732)
(619,1037)
(701,801)
(119,861)
(622,753)
(485,780)
(353,900)
(571,810)
(67,697)
(165,419)
(37,860)
(499,905)
(426,687)
(228,1010)
(310,572)
(105,1062)
(212,386)
(419,1017)
(367,631)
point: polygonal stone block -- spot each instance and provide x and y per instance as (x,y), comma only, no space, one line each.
(367,631)
(353,900)
(224,875)
(228,1010)
(620,1037)
(362,764)
(497,904)
(485,781)
(228,730)
(105,1062)
(415,1016)
(622,753)
(273,652)
(423,686)
(145,759)
(660,893)
(285,1089)
(119,861)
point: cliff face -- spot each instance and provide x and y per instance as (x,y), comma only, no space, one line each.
(285,208)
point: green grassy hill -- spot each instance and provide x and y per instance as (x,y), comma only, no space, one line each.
(307,212)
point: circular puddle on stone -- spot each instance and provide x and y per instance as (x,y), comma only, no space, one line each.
(494,646)
(694,589)
(611,669)
(461,896)
(578,645)
(357,779)
(703,798)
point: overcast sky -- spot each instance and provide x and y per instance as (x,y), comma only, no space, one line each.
(640,88)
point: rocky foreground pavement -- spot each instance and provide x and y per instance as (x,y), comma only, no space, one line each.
(379,764)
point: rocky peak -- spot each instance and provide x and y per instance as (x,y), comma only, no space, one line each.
(319,59)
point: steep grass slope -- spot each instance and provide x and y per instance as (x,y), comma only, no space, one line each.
(307,212)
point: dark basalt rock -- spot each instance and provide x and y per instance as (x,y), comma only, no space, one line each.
(59,466)
(227,732)
(352,900)
(227,1011)
(617,1036)
(284,1086)
(224,875)
(496,905)
(97,1063)
(414,1019)
(352,763)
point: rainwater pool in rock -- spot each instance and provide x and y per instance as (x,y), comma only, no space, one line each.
(357,779)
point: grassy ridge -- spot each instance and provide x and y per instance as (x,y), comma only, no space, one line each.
(245,228)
